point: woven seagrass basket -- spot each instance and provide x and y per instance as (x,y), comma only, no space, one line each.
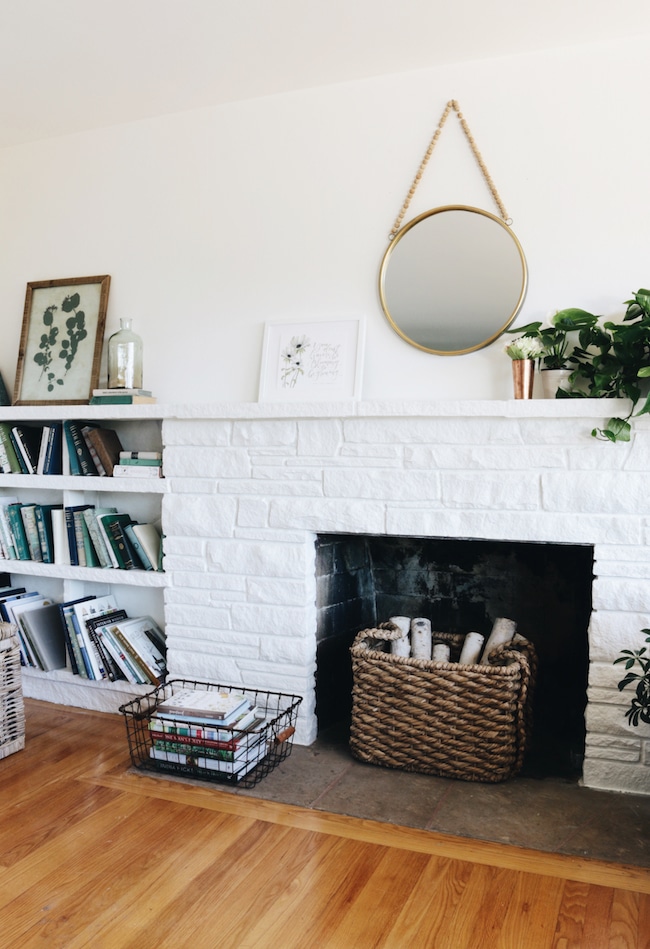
(12,711)
(458,721)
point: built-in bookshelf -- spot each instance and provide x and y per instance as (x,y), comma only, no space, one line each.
(138,591)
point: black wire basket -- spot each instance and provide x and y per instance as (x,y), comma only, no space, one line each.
(232,755)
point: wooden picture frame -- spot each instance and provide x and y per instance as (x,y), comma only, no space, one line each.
(312,362)
(61,341)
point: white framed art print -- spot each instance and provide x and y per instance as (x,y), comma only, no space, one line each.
(311,362)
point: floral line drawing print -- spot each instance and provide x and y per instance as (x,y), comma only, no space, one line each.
(75,327)
(292,361)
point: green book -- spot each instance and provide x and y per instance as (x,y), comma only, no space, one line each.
(8,449)
(18,531)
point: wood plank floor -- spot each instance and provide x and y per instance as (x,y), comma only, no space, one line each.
(94,855)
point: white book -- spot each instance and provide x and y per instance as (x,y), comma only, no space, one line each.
(83,611)
(60,537)
(136,471)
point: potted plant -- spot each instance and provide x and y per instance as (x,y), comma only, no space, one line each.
(555,346)
(639,709)
(610,362)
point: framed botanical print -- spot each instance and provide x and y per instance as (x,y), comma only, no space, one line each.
(312,361)
(61,341)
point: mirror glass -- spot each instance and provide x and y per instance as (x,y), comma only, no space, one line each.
(452,280)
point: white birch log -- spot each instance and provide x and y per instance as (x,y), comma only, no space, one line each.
(502,632)
(440,652)
(421,638)
(401,646)
(472,648)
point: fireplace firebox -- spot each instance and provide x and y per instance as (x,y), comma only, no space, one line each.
(463,585)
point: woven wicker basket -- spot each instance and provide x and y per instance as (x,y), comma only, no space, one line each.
(459,721)
(12,711)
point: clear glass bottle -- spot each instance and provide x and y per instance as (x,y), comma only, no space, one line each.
(125,358)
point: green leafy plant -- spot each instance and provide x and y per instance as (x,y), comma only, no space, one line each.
(555,342)
(75,327)
(639,710)
(610,361)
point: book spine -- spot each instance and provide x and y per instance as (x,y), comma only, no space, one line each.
(136,471)
(77,521)
(18,531)
(120,549)
(140,456)
(108,446)
(99,467)
(143,560)
(134,658)
(72,540)
(97,539)
(18,452)
(28,514)
(7,536)
(5,437)
(84,458)
(72,647)
(70,450)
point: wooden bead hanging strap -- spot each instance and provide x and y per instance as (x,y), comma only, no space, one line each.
(452,104)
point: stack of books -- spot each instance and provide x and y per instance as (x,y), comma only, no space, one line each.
(82,535)
(217,730)
(138,464)
(91,636)
(122,397)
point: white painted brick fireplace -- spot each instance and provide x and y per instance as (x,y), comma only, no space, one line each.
(252,485)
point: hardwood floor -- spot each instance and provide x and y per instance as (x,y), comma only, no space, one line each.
(93,855)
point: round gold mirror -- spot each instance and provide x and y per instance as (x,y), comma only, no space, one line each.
(452,280)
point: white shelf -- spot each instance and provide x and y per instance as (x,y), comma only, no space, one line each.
(87,483)
(34,568)
(64,688)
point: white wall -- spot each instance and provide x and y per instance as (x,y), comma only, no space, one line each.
(212,222)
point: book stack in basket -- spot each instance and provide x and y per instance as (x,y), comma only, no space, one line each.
(12,710)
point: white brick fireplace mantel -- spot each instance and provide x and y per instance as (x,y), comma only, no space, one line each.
(250,486)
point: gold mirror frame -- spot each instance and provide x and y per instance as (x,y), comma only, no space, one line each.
(479,319)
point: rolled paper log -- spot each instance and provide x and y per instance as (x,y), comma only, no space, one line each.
(440,652)
(401,646)
(502,632)
(421,638)
(472,648)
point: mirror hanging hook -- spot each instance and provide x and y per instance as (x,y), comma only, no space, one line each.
(452,104)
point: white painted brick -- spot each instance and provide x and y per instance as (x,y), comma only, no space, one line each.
(615,754)
(211,432)
(485,457)
(637,457)
(555,431)
(207,462)
(290,650)
(203,617)
(252,512)
(605,675)
(597,456)
(382,484)
(624,568)
(604,742)
(504,491)
(278,592)
(438,431)
(199,516)
(368,452)
(175,563)
(276,473)
(326,515)
(613,492)
(258,433)
(252,559)
(269,620)
(280,488)
(192,485)
(319,437)
(611,631)
(610,720)
(269,536)
(623,552)
(616,776)
(631,596)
